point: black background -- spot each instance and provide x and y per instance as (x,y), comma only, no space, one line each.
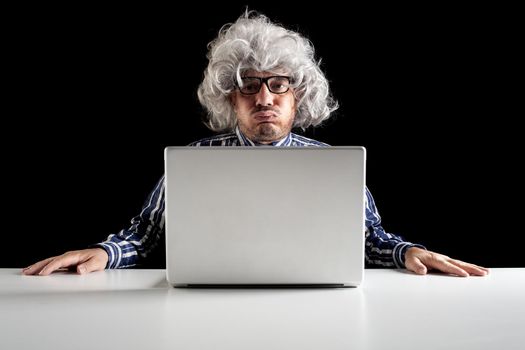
(95,94)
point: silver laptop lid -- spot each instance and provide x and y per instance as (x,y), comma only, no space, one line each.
(265,215)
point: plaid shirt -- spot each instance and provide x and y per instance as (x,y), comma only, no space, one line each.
(129,246)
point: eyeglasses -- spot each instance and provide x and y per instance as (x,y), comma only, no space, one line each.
(276,84)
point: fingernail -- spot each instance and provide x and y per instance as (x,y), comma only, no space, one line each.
(82,269)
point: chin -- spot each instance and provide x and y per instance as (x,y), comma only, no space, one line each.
(268,131)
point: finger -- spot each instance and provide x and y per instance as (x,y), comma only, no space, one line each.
(415,265)
(36,267)
(480,271)
(91,265)
(472,269)
(83,268)
(450,268)
(65,260)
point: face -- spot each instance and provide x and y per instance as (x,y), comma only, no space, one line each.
(264,117)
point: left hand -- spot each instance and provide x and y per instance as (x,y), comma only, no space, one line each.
(420,261)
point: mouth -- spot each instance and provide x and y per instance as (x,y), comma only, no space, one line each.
(265,116)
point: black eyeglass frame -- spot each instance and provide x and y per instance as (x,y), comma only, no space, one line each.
(265,81)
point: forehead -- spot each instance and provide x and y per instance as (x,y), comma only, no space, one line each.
(254,73)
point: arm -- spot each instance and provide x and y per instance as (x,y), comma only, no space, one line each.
(388,250)
(126,248)
(382,248)
(120,250)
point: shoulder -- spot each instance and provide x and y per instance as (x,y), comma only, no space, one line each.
(218,140)
(301,141)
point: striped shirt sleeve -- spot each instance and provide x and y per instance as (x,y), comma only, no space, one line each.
(129,246)
(382,248)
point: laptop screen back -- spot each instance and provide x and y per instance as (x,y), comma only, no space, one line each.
(265,215)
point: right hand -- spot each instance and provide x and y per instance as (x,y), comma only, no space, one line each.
(84,261)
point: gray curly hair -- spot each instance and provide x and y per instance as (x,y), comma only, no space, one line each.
(253,42)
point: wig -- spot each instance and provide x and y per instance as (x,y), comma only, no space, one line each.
(253,42)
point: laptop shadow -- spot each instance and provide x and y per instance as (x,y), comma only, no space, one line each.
(262,286)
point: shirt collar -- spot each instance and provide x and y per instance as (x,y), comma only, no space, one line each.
(245,141)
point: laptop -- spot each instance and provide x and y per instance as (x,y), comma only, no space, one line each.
(278,216)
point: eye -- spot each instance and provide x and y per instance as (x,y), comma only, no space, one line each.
(250,86)
(279,84)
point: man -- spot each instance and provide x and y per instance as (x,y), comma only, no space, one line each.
(262,80)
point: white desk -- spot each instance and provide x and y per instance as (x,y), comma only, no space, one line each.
(135,309)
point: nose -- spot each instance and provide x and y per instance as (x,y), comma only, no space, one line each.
(264,97)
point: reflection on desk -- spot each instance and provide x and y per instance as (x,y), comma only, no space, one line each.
(136,309)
